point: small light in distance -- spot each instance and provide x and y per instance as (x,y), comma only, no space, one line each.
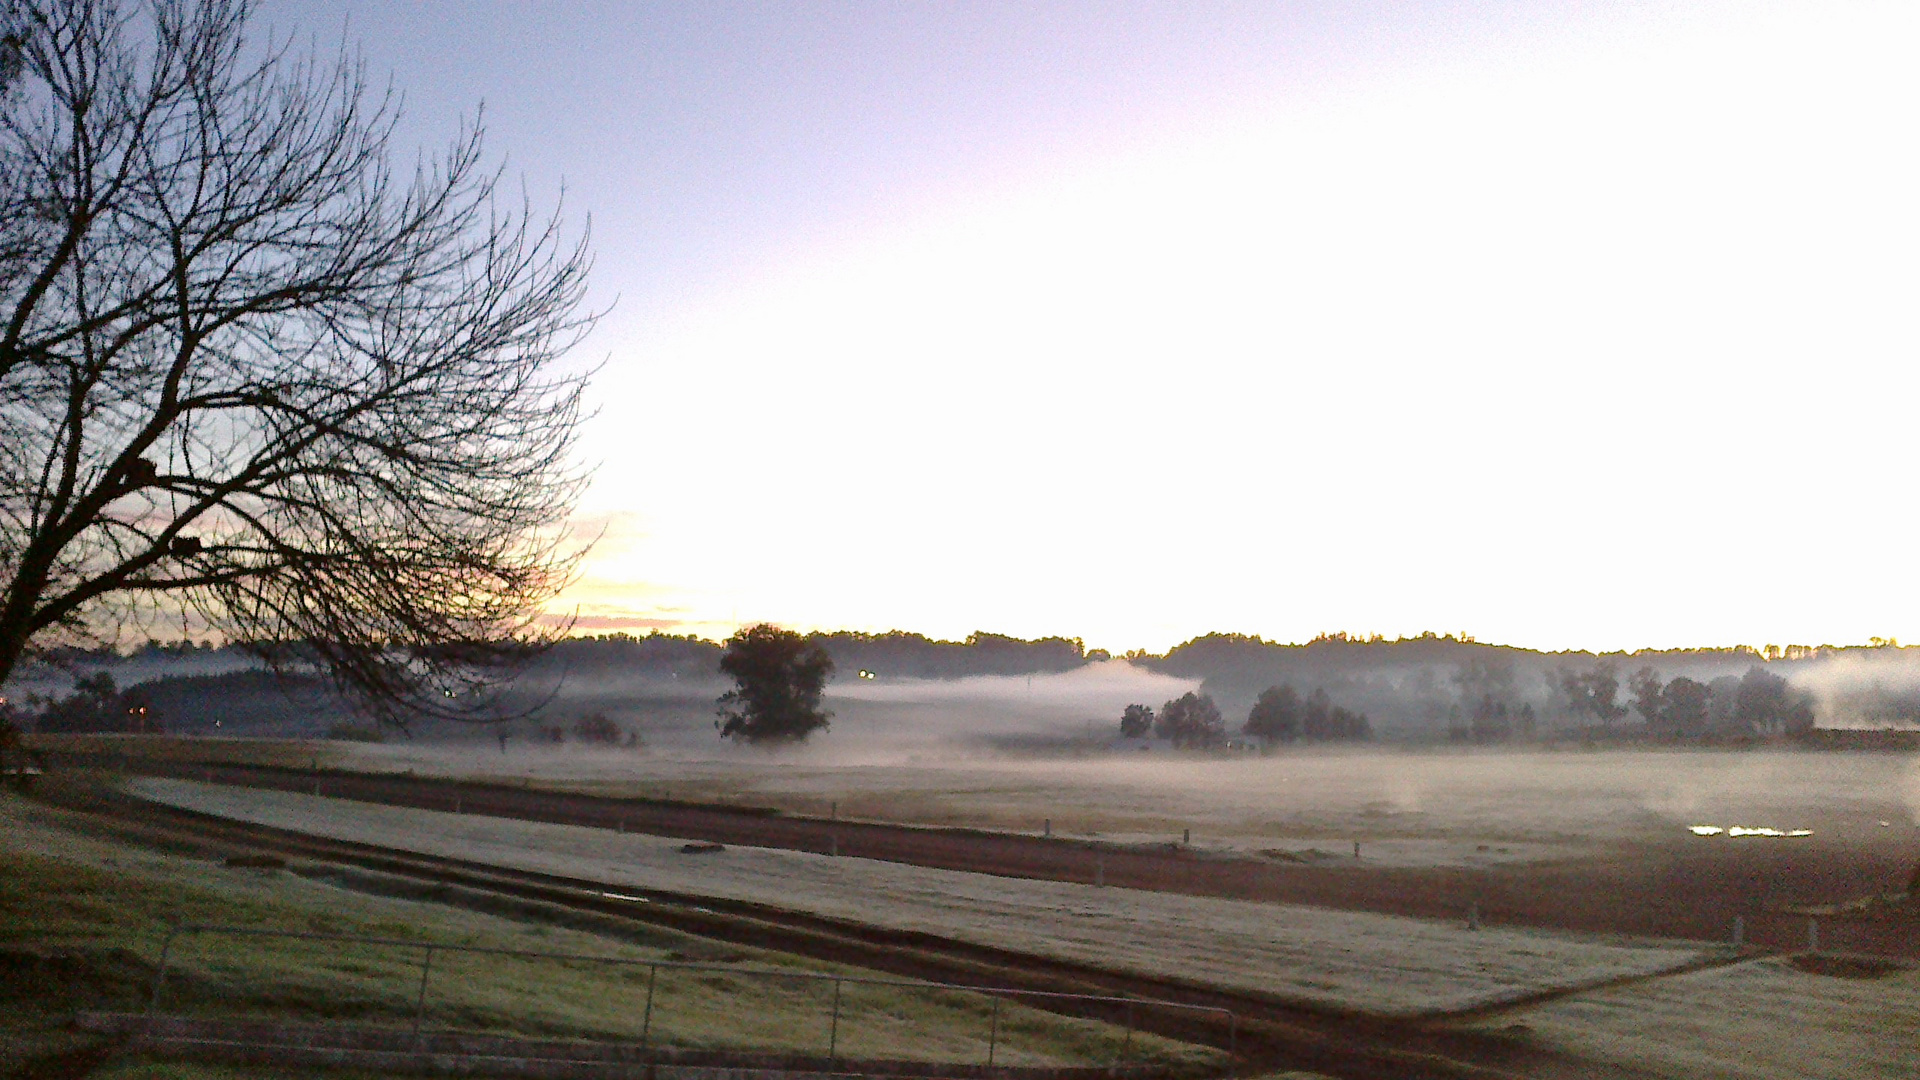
(865,674)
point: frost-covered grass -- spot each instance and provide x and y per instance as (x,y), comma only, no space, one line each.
(1759,1020)
(1425,806)
(83,921)
(1357,960)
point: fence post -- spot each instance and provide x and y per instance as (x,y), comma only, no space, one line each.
(1233,1034)
(646,1025)
(1126,1048)
(1739,932)
(993,1032)
(420,997)
(833,1030)
(1813,935)
(160,976)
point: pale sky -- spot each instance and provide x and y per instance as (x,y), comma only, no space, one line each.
(1585,325)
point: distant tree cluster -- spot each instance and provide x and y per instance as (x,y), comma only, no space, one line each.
(655,654)
(97,705)
(1757,703)
(1280,715)
(1191,721)
(595,729)
(1592,694)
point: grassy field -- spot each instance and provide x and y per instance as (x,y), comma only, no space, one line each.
(82,922)
(1359,960)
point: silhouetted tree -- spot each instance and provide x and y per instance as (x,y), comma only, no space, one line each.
(94,705)
(1316,716)
(779,678)
(249,369)
(1275,716)
(1646,686)
(1490,721)
(1683,708)
(1191,720)
(1766,703)
(1592,693)
(1344,725)
(1136,722)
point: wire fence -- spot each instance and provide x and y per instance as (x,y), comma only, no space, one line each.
(836,1020)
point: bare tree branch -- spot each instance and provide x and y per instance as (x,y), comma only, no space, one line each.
(248,369)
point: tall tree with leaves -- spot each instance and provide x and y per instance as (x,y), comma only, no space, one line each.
(1593,693)
(1136,722)
(1275,715)
(1684,707)
(1191,720)
(1646,687)
(251,370)
(779,678)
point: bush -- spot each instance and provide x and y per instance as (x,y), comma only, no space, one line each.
(597,730)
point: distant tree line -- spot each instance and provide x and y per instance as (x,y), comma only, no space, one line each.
(894,654)
(1281,715)
(1757,703)
(96,705)
(1190,721)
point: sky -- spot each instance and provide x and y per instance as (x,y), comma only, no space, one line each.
(1566,325)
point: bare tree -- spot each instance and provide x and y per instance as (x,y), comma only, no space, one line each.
(250,370)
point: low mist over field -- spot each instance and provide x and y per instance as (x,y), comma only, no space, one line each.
(902,693)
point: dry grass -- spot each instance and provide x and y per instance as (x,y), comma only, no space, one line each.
(1352,959)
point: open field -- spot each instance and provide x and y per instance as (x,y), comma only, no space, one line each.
(1592,841)
(1431,802)
(1598,842)
(1346,959)
(82,922)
